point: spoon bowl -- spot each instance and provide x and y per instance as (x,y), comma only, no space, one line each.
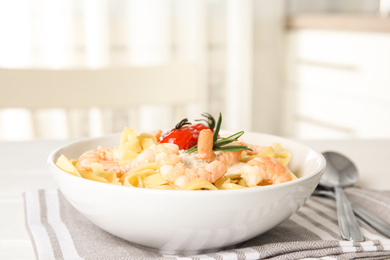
(341,172)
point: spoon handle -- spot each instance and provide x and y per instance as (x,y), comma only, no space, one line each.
(380,225)
(372,220)
(348,224)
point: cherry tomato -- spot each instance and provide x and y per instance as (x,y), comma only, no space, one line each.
(185,137)
(199,127)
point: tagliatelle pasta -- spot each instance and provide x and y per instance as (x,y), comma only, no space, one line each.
(141,161)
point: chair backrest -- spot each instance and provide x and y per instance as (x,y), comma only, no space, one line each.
(125,89)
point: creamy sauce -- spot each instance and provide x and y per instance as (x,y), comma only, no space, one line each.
(191,161)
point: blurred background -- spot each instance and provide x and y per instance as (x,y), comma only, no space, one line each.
(296,68)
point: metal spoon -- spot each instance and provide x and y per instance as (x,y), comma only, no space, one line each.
(372,220)
(341,172)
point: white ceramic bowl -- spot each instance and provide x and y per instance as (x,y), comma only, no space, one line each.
(189,222)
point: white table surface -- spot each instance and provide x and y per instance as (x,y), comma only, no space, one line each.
(23,167)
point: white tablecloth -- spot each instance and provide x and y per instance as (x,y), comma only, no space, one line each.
(23,167)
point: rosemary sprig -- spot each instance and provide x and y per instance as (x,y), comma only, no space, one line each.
(217,128)
(220,144)
(229,139)
(182,123)
(232,148)
(209,120)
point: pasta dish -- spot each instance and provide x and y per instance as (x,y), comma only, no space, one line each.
(188,157)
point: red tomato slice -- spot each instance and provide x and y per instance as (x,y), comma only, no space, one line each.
(185,137)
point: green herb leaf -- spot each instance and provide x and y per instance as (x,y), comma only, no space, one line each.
(192,149)
(182,123)
(209,120)
(229,139)
(232,148)
(221,144)
(217,128)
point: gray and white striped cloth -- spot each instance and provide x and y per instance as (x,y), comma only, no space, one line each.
(58,231)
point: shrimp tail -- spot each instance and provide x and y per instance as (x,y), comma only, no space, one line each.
(205,145)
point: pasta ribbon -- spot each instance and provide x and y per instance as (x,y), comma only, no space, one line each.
(226,183)
(199,184)
(135,178)
(154,180)
(146,140)
(109,176)
(66,165)
(131,144)
(275,150)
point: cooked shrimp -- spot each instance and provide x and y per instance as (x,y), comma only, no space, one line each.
(166,154)
(109,159)
(145,157)
(264,170)
(179,174)
(229,158)
(206,153)
(205,146)
(180,171)
(256,149)
(212,172)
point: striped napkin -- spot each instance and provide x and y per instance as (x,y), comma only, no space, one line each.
(58,231)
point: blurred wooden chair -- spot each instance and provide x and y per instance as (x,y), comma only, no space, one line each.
(89,101)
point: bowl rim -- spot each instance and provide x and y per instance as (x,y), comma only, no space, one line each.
(56,153)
